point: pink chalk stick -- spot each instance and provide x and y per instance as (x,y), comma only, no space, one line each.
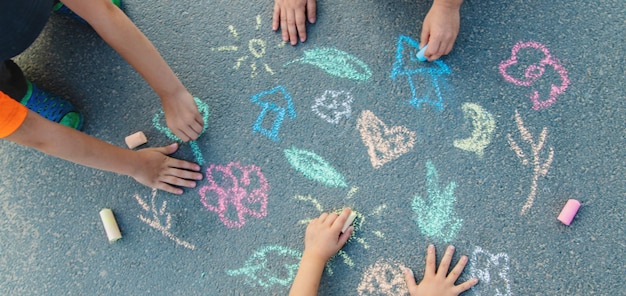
(136,139)
(569,211)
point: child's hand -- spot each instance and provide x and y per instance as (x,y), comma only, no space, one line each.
(439,282)
(157,170)
(182,116)
(440,29)
(289,16)
(323,236)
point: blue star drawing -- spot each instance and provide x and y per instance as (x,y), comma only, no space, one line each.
(272,106)
(412,66)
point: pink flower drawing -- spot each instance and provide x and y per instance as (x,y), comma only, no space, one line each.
(534,71)
(234,192)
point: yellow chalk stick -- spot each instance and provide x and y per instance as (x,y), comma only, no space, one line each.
(348,221)
(136,139)
(110,225)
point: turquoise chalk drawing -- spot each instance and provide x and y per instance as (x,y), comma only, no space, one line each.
(260,271)
(336,63)
(435,216)
(204,111)
(407,64)
(492,273)
(314,167)
(279,111)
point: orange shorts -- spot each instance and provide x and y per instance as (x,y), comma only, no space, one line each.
(12,115)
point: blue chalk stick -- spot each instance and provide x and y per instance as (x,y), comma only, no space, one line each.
(420,54)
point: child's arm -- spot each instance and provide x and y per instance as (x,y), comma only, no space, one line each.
(440,28)
(322,240)
(181,113)
(151,167)
(438,281)
(289,16)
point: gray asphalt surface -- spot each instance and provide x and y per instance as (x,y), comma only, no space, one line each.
(53,242)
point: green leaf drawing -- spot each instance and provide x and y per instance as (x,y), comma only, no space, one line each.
(336,62)
(314,167)
(265,266)
(435,216)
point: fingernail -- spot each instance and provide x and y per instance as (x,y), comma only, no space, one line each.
(407,270)
(312,20)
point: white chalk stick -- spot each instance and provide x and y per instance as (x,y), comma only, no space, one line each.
(348,221)
(110,225)
(136,139)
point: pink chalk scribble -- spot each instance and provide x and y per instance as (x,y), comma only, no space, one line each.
(534,72)
(244,189)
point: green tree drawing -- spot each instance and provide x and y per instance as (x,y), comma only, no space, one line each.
(435,215)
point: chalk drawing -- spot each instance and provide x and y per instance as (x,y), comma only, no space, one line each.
(256,48)
(357,223)
(155,221)
(533,72)
(435,216)
(260,271)
(336,63)
(492,273)
(540,167)
(203,108)
(408,65)
(270,106)
(242,189)
(484,126)
(333,105)
(314,167)
(384,277)
(383,144)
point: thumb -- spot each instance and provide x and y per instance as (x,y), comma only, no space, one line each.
(169,149)
(409,278)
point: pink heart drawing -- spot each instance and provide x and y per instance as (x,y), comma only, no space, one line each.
(383,144)
(533,72)
(244,188)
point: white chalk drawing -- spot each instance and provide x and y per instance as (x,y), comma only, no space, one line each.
(483,128)
(333,105)
(384,277)
(383,144)
(256,47)
(540,167)
(156,223)
(492,273)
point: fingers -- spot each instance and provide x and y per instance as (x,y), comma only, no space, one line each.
(456,271)
(311,10)
(276,16)
(409,278)
(445,262)
(345,236)
(431,261)
(291,28)
(301,26)
(338,222)
(466,285)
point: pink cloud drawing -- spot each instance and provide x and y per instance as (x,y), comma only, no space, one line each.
(243,189)
(533,72)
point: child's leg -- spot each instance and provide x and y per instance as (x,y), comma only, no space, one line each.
(12,80)
(15,85)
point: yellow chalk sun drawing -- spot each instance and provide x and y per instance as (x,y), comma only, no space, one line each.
(256,51)
(358,223)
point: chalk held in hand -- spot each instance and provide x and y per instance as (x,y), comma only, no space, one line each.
(136,139)
(420,54)
(569,211)
(110,225)
(348,221)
